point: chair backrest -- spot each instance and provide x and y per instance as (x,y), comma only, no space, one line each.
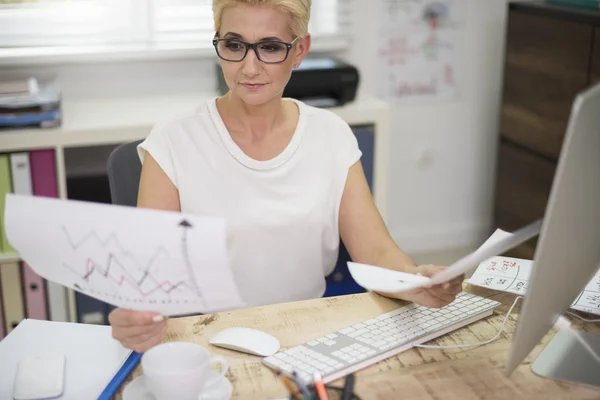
(124,169)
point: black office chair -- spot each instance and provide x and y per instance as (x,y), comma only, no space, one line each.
(124,169)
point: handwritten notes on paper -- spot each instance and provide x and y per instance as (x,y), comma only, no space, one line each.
(498,243)
(589,299)
(129,257)
(513,274)
(378,279)
(418,49)
(503,273)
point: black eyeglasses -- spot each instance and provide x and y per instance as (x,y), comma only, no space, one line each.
(269,52)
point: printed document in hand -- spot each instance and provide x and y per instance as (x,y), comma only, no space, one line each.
(383,280)
(135,258)
(512,275)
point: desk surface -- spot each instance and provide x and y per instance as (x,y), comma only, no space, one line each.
(461,374)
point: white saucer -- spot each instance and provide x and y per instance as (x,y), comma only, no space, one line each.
(221,389)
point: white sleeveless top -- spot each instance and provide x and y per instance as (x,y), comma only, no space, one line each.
(282,214)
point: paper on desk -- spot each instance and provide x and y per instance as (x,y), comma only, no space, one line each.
(129,257)
(512,275)
(498,243)
(506,274)
(372,278)
(92,356)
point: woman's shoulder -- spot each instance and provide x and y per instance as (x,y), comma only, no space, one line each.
(325,124)
(323,119)
(174,133)
(182,121)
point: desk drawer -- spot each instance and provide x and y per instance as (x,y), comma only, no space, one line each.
(523,185)
(547,64)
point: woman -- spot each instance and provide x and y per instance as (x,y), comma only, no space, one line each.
(286,176)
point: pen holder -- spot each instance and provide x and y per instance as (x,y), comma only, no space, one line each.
(333,393)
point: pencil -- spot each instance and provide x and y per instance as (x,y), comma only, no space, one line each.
(321,392)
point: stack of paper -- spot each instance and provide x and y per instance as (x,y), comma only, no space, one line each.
(93,357)
(27,103)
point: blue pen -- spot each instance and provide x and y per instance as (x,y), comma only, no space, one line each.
(115,383)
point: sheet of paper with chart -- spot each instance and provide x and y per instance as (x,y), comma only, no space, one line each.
(129,257)
(512,275)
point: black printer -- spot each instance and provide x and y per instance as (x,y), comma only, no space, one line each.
(318,81)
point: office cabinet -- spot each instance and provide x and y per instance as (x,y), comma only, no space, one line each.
(547,63)
(552,53)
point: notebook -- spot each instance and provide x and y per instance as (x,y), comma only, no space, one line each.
(93,357)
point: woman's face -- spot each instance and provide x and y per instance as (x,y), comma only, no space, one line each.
(251,79)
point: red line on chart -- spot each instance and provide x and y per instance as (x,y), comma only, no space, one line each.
(165,286)
(91,266)
(126,275)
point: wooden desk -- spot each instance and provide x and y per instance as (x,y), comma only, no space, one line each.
(461,374)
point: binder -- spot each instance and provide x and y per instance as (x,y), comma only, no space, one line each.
(34,286)
(5,187)
(44,183)
(12,295)
(35,293)
(21,173)
(43,173)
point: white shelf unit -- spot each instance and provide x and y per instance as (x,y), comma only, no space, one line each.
(8,258)
(115,121)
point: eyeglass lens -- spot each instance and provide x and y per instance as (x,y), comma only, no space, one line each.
(235,50)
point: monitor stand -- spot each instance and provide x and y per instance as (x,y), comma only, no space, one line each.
(565,359)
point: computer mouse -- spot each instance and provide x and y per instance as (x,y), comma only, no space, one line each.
(246,340)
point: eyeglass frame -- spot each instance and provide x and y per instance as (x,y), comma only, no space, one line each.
(254,46)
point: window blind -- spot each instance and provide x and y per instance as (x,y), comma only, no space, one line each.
(69,22)
(186,22)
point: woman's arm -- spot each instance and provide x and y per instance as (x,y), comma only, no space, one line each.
(363,230)
(368,241)
(156,189)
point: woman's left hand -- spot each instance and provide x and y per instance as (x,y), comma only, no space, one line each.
(436,296)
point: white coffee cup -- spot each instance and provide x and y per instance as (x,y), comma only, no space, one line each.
(179,370)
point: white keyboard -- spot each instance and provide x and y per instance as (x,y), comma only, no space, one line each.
(360,345)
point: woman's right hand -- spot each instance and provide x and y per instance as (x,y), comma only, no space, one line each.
(137,330)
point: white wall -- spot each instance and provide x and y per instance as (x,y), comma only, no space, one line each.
(447,204)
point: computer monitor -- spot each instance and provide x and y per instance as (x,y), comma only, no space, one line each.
(567,255)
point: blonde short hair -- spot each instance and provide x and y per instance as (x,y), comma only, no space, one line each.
(299,10)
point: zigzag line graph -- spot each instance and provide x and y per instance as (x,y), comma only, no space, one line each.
(93,267)
(118,271)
